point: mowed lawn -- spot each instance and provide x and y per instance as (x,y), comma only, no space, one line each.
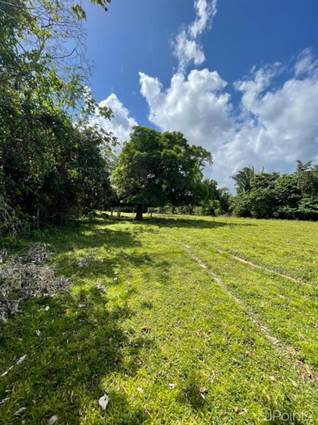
(184,332)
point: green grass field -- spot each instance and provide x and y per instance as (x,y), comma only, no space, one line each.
(185,332)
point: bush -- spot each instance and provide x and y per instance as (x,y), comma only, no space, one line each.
(290,196)
(308,208)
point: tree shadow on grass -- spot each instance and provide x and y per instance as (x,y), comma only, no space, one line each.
(83,236)
(73,236)
(81,340)
(200,223)
(106,269)
(176,221)
(84,251)
(71,349)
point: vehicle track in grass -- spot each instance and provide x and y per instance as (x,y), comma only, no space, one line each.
(305,371)
(262,267)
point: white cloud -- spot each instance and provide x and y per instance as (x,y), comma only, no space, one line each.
(276,126)
(187,47)
(121,123)
(260,80)
(283,122)
(306,63)
(205,11)
(188,50)
(274,123)
(196,105)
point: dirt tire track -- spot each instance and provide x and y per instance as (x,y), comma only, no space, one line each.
(305,371)
(258,266)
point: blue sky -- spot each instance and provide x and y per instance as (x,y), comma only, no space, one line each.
(234,75)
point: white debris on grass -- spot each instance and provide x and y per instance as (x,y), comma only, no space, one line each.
(53,420)
(84,262)
(101,287)
(18,362)
(3,401)
(21,359)
(103,401)
(20,411)
(6,372)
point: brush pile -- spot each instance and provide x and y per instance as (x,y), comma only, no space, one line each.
(25,277)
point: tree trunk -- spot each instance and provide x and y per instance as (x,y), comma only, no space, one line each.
(139,211)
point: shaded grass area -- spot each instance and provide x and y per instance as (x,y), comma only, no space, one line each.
(166,344)
(62,372)
(80,339)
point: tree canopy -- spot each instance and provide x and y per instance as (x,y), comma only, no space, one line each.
(279,195)
(52,164)
(156,168)
(243,179)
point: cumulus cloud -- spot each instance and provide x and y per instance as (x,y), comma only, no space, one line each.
(196,105)
(121,123)
(306,64)
(205,11)
(187,47)
(188,50)
(282,126)
(272,122)
(277,123)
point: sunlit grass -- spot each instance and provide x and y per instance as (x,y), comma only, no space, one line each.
(166,343)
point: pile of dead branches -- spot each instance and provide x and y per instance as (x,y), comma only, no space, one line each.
(27,276)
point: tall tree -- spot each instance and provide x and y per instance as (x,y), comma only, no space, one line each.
(243,179)
(155,169)
(281,196)
(217,200)
(41,91)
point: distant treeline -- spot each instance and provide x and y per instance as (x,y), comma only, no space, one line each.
(54,164)
(258,194)
(275,195)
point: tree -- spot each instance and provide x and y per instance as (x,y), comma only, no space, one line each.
(260,200)
(43,44)
(243,179)
(92,182)
(156,168)
(307,178)
(224,200)
(217,201)
(49,167)
(281,196)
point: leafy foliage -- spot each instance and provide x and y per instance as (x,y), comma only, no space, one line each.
(243,179)
(292,196)
(217,201)
(50,167)
(155,169)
